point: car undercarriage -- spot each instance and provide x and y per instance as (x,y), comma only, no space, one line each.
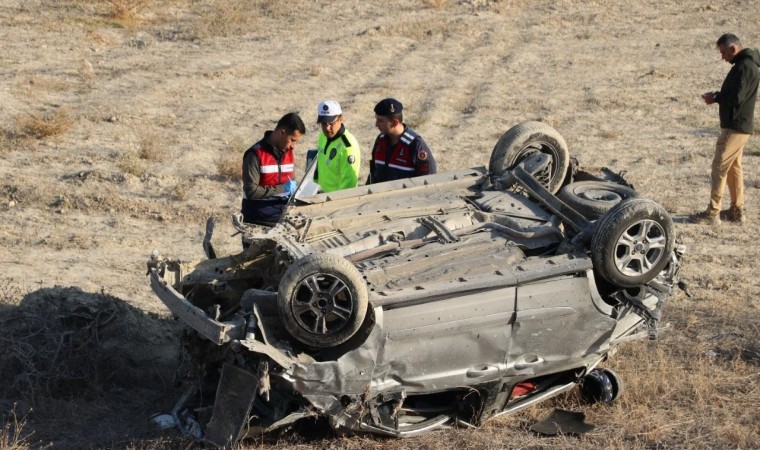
(415,304)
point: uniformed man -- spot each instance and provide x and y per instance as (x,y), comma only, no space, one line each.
(268,171)
(338,153)
(399,152)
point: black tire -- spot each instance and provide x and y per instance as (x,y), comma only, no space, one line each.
(597,387)
(632,243)
(526,139)
(594,198)
(617,383)
(322,300)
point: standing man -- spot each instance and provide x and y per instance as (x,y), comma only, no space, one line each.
(399,152)
(736,106)
(338,153)
(268,172)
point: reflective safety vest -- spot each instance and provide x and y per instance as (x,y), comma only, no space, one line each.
(271,173)
(338,161)
(274,172)
(410,157)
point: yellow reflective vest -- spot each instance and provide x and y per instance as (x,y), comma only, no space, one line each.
(338,161)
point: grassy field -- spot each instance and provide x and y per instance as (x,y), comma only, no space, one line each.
(122,127)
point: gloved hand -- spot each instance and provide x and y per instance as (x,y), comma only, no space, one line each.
(290,187)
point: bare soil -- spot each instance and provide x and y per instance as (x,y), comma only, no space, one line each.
(122,126)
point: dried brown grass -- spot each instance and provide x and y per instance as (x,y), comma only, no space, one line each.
(230,162)
(180,191)
(126,11)
(12,433)
(152,146)
(46,125)
(132,164)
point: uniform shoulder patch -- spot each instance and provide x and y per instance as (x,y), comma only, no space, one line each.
(422,154)
(351,159)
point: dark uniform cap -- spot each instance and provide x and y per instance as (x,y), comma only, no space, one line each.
(388,107)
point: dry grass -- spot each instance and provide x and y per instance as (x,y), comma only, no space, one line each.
(12,434)
(225,18)
(230,162)
(695,388)
(70,355)
(180,191)
(435,3)
(132,164)
(152,147)
(42,126)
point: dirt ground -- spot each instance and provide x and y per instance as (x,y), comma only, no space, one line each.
(123,122)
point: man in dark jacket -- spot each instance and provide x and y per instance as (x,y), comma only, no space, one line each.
(398,152)
(268,172)
(736,106)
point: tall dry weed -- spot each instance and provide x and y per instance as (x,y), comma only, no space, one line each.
(12,435)
(230,162)
(41,126)
(132,164)
(224,18)
(152,147)
(126,12)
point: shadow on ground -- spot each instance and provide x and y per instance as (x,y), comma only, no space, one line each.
(86,369)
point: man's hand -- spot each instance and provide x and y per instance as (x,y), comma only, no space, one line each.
(709,97)
(290,187)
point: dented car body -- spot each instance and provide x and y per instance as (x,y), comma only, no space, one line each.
(415,304)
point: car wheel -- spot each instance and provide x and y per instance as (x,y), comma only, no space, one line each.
(594,198)
(322,300)
(527,139)
(600,386)
(617,383)
(632,243)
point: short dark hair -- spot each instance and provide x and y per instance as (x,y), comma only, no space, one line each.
(399,116)
(728,40)
(291,122)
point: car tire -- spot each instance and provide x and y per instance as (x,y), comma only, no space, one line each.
(617,383)
(594,198)
(598,386)
(526,139)
(632,243)
(322,300)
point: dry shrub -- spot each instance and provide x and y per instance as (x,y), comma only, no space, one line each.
(152,146)
(435,3)
(12,435)
(226,18)
(180,191)
(223,18)
(45,125)
(126,12)
(6,141)
(63,343)
(132,164)
(230,162)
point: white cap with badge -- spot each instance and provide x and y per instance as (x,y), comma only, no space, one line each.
(328,111)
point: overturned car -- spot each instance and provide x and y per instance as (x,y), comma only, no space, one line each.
(442,300)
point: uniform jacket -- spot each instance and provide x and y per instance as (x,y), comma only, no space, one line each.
(265,170)
(736,99)
(410,157)
(338,161)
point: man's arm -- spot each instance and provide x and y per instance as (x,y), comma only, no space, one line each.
(252,178)
(371,178)
(729,91)
(350,163)
(748,75)
(424,162)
